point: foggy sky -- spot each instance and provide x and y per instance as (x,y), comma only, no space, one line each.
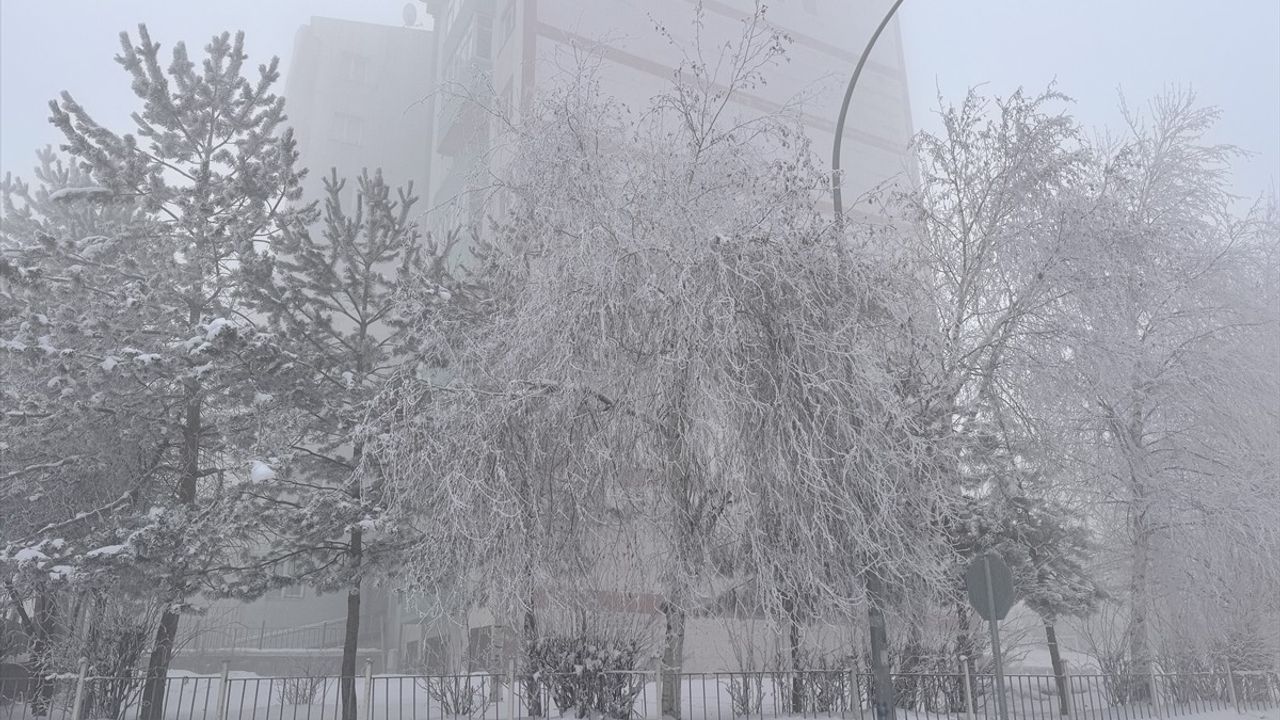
(1228,52)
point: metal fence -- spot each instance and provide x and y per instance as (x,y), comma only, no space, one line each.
(627,696)
(244,637)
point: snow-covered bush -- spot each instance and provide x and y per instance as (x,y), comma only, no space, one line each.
(817,684)
(746,694)
(305,685)
(589,673)
(458,696)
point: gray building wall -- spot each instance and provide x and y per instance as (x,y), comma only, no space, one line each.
(359,96)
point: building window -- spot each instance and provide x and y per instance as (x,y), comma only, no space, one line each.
(508,100)
(433,660)
(347,129)
(484,36)
(480,649)
(450,15)
(508,23)
(296,590)
(354,67)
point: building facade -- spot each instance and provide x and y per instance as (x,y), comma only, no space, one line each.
(359,96)
(500,53)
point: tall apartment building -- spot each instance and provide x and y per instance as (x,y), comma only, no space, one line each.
(509,49)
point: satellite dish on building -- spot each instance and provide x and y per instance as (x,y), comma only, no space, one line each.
(410,14)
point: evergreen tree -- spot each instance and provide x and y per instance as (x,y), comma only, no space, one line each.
(1047,547)
(73,454)
(212,166)
(333,297)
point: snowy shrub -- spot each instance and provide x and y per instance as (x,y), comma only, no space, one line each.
(746,694)
(114,640)
(817,684)
(589,674)
(305,685)
(458,696)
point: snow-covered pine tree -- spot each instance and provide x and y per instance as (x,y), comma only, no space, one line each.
(74,453)
(333,294)
(212,165)
(1022,516)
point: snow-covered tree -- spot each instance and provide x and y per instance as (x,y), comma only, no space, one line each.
(332,295)
(1001,200)
(67,462)
(681,348)
(151,329)
(1171,290)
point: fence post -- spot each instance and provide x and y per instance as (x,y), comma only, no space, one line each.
(855,702)
(224,691)
(1155,693)
(368,688)
(81,677)
(969,710)
(512,697)
(1066,684)
(1231,687)
(657,682)
(262,634)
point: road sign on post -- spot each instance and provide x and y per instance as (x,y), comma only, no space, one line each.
(990,585)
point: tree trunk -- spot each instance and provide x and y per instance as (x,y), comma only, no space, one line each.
(355,556)
(909,690)
(966,648)
(672,658)
(1139,649)
(877,598)
(1139,591)
(1059,675)
(351,638)
(532,691)
(152,706)
(45,619)
(794,649)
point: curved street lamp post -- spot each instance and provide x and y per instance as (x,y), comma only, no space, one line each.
(876,595)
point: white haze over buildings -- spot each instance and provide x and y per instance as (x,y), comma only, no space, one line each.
(1229,53)
(360,86)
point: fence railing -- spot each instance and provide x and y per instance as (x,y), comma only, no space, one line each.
(244,637)
(638,695)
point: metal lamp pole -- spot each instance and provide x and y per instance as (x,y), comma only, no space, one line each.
(883,704)
(844,111)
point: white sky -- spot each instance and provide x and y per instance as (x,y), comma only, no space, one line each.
(1228,51)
